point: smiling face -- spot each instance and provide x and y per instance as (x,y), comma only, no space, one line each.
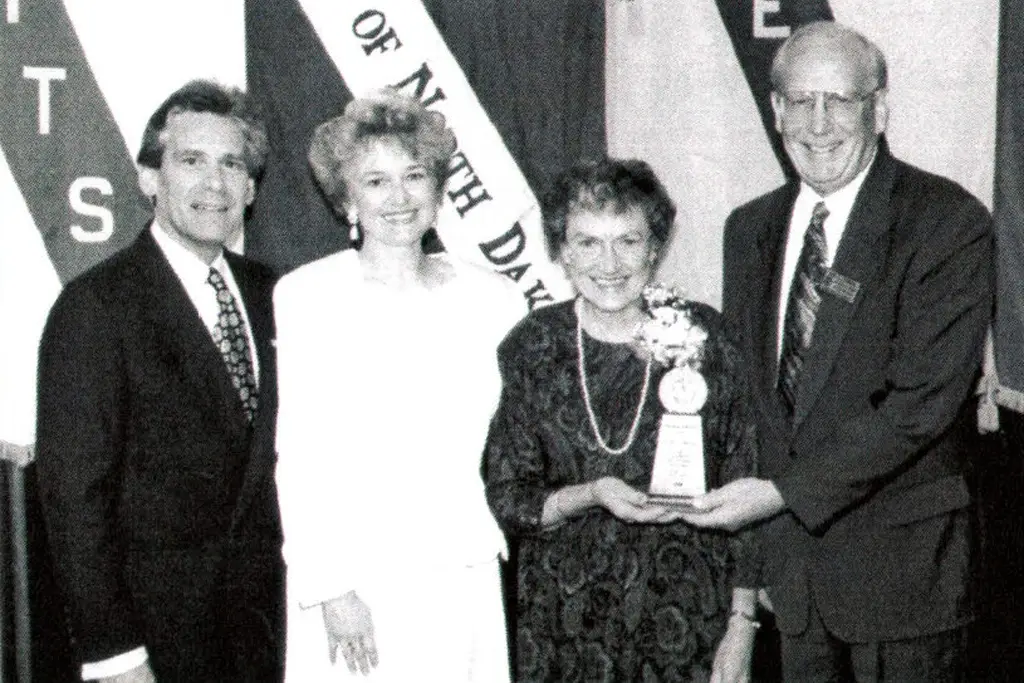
(202,187)
(395,197)
(609,257)
(829,144)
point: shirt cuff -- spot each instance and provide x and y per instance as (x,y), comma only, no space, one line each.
(116,665)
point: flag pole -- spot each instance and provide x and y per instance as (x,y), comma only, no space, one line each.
(13,516)
(19,556)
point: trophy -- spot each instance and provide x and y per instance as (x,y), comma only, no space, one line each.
(674,339)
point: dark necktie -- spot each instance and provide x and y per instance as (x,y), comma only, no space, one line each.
(802,305)
(230,337)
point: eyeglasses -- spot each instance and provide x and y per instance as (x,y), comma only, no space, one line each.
(801,104)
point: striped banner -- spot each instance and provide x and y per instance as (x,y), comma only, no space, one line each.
(79,78)
(62,144)
(490,215)
(686,90)
(756,30)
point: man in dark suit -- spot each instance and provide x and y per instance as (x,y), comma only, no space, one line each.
(860,297)
(156,409)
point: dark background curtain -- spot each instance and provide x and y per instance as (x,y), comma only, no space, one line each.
(997,640)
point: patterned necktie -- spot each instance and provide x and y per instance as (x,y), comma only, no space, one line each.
(230,337)
(802,305)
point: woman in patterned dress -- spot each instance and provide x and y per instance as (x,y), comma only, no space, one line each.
(610,585)
(387,383)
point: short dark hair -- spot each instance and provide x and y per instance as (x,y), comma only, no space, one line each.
(607,186)
(386,114)
(202,96)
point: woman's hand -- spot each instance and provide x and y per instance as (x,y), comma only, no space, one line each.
(735,652)
(350,629)
(611,493)
(627,503)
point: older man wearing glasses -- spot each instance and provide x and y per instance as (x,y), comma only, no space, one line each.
(860,296)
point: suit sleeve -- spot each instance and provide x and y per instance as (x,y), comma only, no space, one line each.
(80,462)
(732,278)
(938,330)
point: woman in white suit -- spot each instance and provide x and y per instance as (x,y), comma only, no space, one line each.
(388,381)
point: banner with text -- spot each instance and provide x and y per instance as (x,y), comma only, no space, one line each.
(79,78)
(490,215)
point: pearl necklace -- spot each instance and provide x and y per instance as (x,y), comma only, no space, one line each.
(582,363)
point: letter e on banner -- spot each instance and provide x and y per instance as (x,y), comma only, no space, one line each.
(80,206)
(761,8)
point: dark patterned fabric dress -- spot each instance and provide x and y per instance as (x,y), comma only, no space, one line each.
(599,599)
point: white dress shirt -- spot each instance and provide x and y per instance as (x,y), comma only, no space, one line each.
(839,205)
(193,273)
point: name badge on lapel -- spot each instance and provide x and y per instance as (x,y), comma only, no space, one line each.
(839,285)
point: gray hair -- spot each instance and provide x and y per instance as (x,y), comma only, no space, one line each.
(870,54)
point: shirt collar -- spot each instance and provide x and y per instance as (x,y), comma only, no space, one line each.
(841,201)
(188,266)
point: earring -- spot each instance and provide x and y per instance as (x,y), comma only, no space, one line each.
(353,225)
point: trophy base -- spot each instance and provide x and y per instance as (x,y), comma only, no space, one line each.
(682,502)
(677,473)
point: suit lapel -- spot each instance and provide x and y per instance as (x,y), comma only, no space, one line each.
(183,335)
(259,311)
(258,306)
(860,255)
(761,276)
(766,287)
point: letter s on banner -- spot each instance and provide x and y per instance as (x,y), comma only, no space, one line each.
(80,206)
